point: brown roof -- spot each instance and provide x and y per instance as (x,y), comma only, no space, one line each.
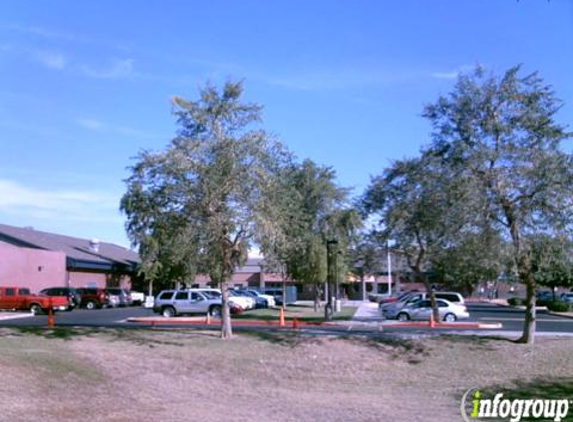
(76,249)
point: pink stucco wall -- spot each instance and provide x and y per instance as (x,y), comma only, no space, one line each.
(81,279)
(33,268)
(93,279)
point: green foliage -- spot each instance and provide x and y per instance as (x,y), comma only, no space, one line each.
(198,205)
(515,301)
(500,139)
(314,211)
(556,306)
(552,260)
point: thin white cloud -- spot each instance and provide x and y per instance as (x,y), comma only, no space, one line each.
(77,205)
(88,123)
(38,31)
(445,75)
(117,70)
(97,125)
(51,60)
(452,74)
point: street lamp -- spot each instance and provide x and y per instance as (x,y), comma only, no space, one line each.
(389,270)
(331,278)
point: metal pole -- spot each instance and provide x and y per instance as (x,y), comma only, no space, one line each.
(328,308)
(389,270)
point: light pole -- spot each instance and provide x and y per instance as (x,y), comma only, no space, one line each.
(389,270)
(330,270)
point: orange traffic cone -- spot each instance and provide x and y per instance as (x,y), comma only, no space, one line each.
(281,316)
(50,323)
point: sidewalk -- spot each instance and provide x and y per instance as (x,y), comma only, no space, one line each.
(366,312)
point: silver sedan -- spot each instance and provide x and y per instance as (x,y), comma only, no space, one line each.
(422,309)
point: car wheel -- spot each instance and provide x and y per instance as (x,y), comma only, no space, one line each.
(215,311)
(402,316)
(91,305)
(168,312)
(450,318)
(35,309)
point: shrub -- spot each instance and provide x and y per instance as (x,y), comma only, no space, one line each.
(558,306)
(515,301)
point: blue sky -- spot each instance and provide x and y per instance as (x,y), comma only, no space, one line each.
(85,85)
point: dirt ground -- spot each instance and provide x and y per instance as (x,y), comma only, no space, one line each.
(167,376)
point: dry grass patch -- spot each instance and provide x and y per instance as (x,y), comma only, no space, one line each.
(182,375)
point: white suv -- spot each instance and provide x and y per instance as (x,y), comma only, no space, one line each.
(170,303)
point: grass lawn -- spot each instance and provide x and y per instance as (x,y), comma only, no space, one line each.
(183,375)
(302,312)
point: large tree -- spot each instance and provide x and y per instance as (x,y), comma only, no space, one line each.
(208,195)
(500,137)
(412,201)
(315,210)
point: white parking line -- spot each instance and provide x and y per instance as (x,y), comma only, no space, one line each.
(5,317)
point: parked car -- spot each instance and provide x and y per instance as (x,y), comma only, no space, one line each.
(391,310)
(137,298)
(170,303)
(21,299)
(258,301)
(235,300)
(93,298)
(567,297)
(545,295)
(123,298)
(396,297)
(422,309)
(267,301)
(244,301)
(70,292)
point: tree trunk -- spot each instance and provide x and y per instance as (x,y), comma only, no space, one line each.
(529,326)
(435,310)
(316,297)
(226,328)
(524,271)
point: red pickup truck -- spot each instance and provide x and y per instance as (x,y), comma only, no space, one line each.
(20,298)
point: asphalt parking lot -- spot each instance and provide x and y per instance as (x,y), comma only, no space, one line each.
(510,318)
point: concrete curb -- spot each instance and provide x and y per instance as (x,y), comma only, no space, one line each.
(297,324)
(291,323)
